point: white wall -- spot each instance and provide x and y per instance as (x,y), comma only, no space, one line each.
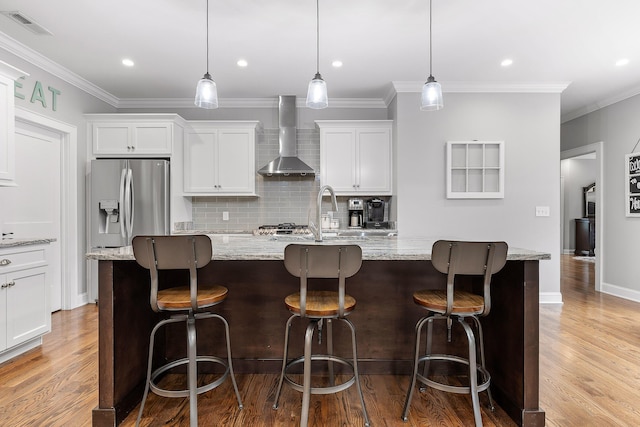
(529,124)
(618,127)
(577,173)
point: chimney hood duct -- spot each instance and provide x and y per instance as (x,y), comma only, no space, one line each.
(287,163)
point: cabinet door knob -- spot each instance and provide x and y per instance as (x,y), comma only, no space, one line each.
(10,284)
(4,285)
(5,261)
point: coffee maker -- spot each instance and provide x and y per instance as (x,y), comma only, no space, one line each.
(376,213)
(356,213)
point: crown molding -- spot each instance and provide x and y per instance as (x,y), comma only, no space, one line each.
(601,104)
(18,49)
(245,103)
(484,87)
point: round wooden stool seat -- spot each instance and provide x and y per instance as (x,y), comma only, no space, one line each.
(436,301)
(179,298)
(320,303)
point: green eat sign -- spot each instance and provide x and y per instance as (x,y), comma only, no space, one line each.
(38,94)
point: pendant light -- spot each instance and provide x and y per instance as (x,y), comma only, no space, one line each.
(317,92)
(431,91)
(206,91)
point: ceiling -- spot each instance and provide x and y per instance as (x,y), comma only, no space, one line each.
(551,42)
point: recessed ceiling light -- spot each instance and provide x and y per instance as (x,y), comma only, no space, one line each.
(622,62)
(127,62)
(336,64)
(242,63)
(506,62)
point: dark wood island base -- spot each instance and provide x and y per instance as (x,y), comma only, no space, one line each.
(385,318)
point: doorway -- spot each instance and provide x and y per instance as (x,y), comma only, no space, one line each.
(592,152)
(32,207)
(67,270)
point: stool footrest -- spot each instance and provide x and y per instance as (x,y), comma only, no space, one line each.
(453,388)
(321,390)
(185,392)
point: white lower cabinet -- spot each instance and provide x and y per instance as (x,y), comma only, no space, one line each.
(25,313)
(219,158)
(356,156)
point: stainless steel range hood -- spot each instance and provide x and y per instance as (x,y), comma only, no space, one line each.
(287,162)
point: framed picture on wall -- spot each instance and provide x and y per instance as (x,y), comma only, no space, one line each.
(475,169)
(632,184)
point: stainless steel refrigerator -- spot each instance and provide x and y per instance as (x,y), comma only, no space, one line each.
(128,197)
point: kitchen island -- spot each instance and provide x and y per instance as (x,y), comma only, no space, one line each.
(251,267)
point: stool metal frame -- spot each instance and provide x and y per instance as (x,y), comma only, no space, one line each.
(458,258)
(175,253)
(320,261)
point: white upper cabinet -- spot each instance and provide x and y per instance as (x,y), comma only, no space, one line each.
(356,156)
(8,75)
(219,158)
(133,135)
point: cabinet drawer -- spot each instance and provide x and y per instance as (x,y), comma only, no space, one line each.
(25,258)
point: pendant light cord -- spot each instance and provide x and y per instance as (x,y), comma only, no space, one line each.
(318,36)
(430,40)
(207,36)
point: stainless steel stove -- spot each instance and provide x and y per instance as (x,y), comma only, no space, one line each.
(282,228)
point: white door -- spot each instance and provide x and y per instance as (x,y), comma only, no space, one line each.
(31,209)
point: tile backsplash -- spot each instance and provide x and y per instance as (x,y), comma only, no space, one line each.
(279,199)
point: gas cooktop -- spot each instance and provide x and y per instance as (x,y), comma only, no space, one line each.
(282,228)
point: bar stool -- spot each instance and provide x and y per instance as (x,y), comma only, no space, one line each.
(189,303)
(319,307)
(458,258)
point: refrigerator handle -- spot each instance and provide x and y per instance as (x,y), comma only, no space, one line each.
(123,213)
(131,199)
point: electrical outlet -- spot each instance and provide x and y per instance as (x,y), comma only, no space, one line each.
(225,216)
(542,210)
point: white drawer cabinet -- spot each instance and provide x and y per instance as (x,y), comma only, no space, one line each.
(219,158)
(25,313)
(356,156)
(132,135)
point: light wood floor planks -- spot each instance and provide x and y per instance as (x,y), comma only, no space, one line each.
(589,376)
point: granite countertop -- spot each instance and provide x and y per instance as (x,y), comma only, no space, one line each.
(10,243)
(250,247)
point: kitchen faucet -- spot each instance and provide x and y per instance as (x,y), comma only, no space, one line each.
(316,228)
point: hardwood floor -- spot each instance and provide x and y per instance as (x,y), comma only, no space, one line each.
(589,375)
(589,354)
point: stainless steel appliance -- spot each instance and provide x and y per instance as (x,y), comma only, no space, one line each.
(356,213)
(128,197)
(287,163)
(376,213)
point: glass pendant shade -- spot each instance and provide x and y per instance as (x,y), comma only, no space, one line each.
(317,94)
(431,95)
(206,93)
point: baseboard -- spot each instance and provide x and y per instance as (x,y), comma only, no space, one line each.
(21,348)
(568,251)
(618,291)
(550,298)
(79,301)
